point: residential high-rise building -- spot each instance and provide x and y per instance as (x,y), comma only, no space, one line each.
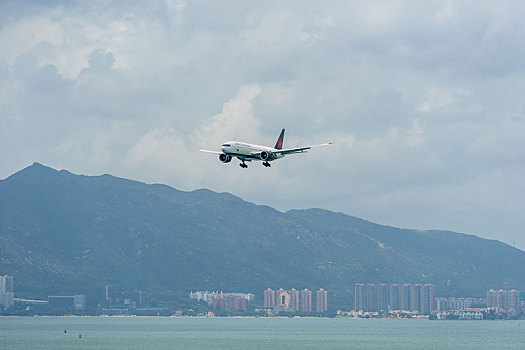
(505,300)
(321,299)
(306,300)
(406,296)
(369,297)
(395,297)
(415,298)
(382,297)
(282,300)
(107,296)
(359,296)
(269,298)
(492,299)
(428,299)
(7,284)
(294,300)
(7,291)
(502,299)
(513,300)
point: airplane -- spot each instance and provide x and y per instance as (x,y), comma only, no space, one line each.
(246,152)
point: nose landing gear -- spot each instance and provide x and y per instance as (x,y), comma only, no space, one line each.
(266,164)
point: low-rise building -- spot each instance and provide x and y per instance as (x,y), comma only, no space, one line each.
(460,315)
(78,302)
(230,302)
(210,297)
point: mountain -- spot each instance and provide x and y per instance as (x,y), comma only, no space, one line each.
(63,233)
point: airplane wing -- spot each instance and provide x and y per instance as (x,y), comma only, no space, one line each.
(299,149)
(206,151)
(284,152)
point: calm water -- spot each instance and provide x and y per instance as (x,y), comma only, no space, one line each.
(251,333)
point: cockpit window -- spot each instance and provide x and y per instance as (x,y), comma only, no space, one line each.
(226,145)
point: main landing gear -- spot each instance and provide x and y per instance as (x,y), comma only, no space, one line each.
(266,164)
(243,165)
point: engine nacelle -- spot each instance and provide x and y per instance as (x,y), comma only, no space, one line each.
(265,155)
(225,158)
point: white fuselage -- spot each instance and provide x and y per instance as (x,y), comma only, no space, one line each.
(246,151)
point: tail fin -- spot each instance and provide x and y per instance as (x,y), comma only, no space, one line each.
(279,144)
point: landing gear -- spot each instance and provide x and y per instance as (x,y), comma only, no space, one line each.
(243,165)
(266,164)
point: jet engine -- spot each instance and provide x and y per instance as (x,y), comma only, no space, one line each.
(225,158)
(265,155)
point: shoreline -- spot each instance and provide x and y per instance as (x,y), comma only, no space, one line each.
(233,317)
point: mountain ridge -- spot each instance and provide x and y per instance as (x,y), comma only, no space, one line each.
(61,232)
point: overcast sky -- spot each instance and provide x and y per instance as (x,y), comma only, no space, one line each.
(425,101)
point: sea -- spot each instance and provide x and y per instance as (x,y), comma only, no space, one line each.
(256,333)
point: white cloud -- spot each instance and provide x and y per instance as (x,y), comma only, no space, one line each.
(447,12)
(158,148)
(439,97)
(163,150)
(236,119)
(22,36)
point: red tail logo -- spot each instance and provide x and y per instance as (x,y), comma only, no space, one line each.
(279,144)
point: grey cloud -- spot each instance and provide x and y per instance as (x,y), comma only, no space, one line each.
(424,101)
(100,60)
